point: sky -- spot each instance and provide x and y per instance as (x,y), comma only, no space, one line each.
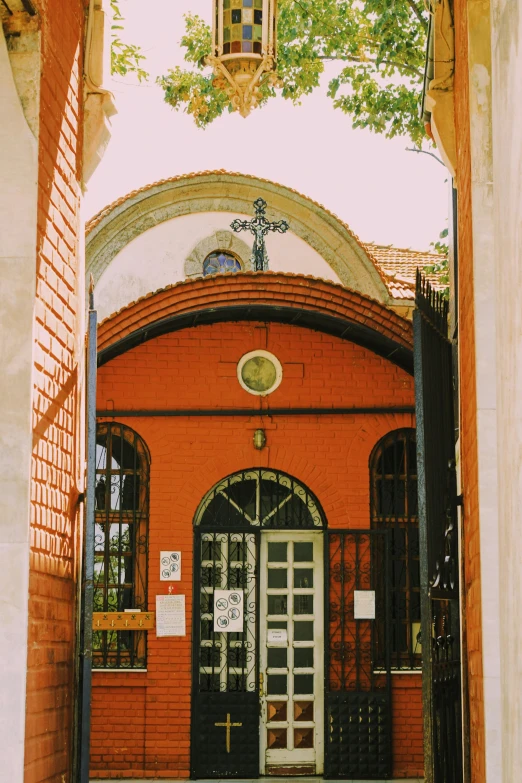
(384,193)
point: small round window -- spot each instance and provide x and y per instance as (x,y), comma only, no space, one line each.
(220,262)
(259,372)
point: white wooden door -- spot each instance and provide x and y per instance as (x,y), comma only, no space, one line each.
(292,653)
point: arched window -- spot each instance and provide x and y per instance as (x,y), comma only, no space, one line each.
(393,477)
(121,542)
(221,262)
(260,497)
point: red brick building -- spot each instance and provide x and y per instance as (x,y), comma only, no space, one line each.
(260,427)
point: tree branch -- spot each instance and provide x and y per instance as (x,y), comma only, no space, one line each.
(425,152)
(354,59)
(418,13)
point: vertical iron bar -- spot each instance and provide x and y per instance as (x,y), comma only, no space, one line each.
(357,635)
(88,583)
(419,353)
(387,645)
(342,608)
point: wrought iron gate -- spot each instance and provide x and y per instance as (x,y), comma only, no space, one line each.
(226,701)
(438,535)
(357,673)
(225,736)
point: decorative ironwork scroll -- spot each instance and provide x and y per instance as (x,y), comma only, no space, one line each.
(259,226)
(438,537)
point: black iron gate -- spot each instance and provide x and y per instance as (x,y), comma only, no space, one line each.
(438,536)
(225,715)
(357,673)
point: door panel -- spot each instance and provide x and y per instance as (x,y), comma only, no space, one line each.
(225,733)
(291,650)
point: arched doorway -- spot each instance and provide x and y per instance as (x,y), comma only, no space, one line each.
(258,666)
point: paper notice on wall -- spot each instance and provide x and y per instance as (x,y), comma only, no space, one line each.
(170,615)
(170,566)
(277,637)
(364,604)
(228,611)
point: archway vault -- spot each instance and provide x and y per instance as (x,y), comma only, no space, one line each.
(256,296)
(219,191)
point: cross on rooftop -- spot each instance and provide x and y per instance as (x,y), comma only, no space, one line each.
(259,226)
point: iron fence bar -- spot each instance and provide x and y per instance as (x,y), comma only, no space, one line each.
(387,637)
(426,614)
(88,575)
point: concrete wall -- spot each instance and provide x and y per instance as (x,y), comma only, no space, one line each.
(18,203)
(506,41)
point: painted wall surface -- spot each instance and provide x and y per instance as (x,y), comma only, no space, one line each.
(141,721)
(18,204)
(506,109)
(471,549)
(156,258)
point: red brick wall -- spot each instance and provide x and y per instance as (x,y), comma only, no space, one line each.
(468,405)
(196,367)
(50,681)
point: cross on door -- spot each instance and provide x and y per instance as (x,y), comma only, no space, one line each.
(228,725)
(259,226)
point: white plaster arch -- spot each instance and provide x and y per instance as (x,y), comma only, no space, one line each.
(218,240)
(128,219)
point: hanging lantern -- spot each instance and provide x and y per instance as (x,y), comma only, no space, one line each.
(243,49)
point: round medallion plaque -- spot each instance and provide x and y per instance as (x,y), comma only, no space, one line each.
(259,372)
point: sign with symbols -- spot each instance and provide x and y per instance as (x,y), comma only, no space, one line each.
(170,615)
(364,604)
(228,611)
(170,566)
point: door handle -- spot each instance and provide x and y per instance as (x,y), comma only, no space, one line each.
(261,681)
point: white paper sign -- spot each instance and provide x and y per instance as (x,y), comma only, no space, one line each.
(228,611)
(170,615)
(278,637)
(364,604)
(170,566)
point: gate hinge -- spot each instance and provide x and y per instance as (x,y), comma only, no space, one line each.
(460,500)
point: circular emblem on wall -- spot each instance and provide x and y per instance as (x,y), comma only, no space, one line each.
(259,372)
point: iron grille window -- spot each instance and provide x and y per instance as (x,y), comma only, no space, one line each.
(121,542)
(393,476)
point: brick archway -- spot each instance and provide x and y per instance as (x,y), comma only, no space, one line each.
(268,296)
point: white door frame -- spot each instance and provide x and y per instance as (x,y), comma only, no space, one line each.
(290,756)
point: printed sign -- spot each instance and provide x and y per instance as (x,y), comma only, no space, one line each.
(364,604)
(278,637)
(170,566)
(170,615)
(228,611)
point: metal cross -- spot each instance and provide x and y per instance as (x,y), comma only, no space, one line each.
(259,226)
(228,725)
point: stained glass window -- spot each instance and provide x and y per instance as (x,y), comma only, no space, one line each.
(220,262)
(242,26)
